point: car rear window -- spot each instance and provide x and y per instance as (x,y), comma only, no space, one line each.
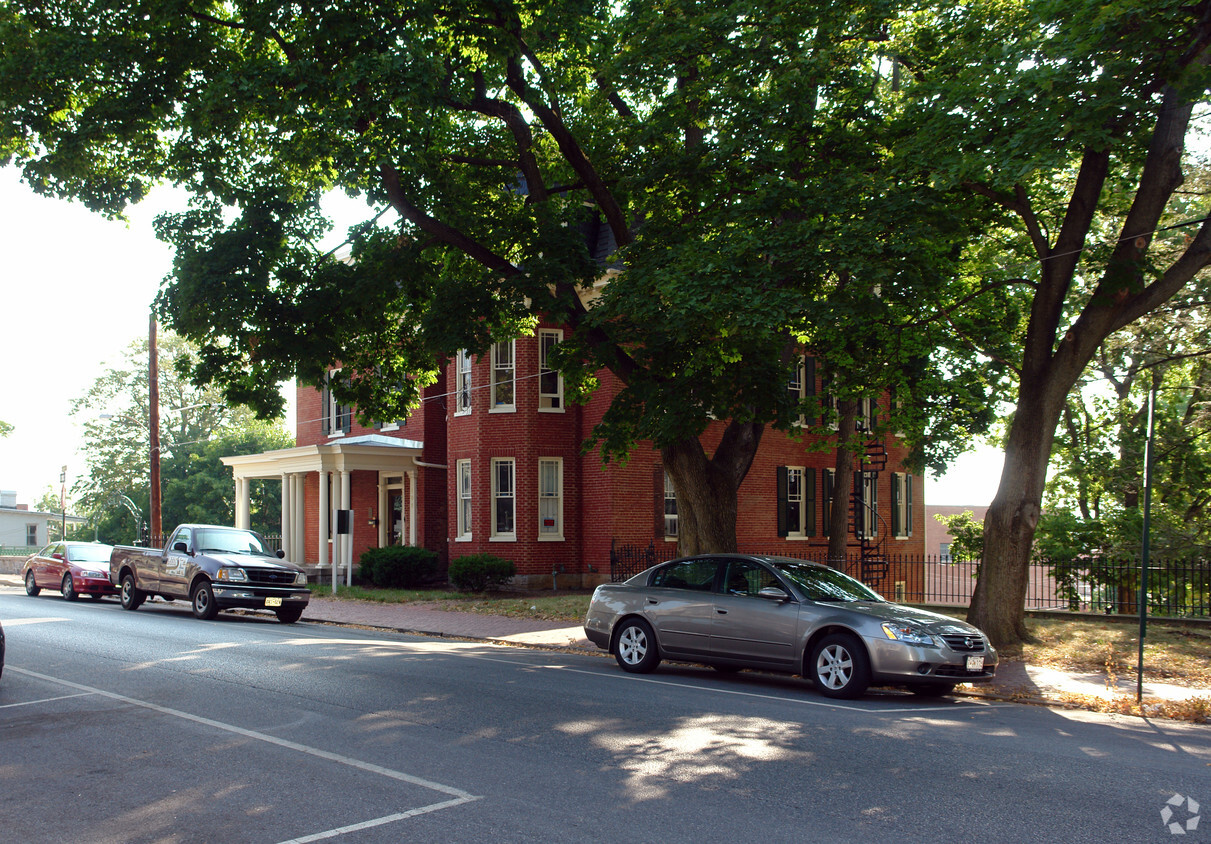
(88,553)
(698,575)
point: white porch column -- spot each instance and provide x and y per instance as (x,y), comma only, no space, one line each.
(382,511)
(242,519)
(323,522)
(412,507)
(286,516)
(347,540)
(300,517)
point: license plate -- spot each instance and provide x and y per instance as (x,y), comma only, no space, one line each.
(975,663)
(277,602)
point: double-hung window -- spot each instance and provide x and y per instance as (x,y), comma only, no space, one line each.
(550,498)
(336,419)
(462,382)
(670,508)
(796,502)
(802,383)
(901,505)
(867,509)
(464,500)
(504,498)
(550,382)
(504,373)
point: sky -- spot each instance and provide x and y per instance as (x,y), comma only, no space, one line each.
(76,292)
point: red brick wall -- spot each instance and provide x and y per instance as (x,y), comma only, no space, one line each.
(601,502)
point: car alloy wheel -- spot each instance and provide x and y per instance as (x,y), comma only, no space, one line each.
(635,649)
(840,668)
(69,588)
(31,588)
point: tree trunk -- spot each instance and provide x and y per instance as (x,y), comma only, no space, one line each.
(999,601)
(708,487)
(843,486)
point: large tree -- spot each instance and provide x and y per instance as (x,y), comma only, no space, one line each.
(1073,118)
(735,158)
(197,428)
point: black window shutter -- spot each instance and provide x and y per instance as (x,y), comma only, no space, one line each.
(809,376)
(897,529)
(782,478)
(809,500)
(325,400)
(908,505)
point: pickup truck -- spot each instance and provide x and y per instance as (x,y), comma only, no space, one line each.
(214,568)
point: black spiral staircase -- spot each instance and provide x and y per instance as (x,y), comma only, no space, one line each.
(864,515)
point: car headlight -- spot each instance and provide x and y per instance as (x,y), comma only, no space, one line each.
(231,574)
(96,574)
(300,579)
(906,634)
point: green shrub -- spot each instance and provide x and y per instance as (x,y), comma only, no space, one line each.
(398,566)
(480,572)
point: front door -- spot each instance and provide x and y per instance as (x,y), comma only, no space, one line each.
(395,517)
(758,631)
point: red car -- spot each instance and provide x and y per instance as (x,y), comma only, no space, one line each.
(74,568)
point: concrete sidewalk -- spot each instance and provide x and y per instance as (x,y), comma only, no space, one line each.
(1014,680)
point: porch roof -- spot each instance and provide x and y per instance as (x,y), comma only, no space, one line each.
(370,452)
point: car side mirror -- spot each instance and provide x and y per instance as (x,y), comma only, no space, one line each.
(57,556)
(281,554)
(773,593)
(181,546)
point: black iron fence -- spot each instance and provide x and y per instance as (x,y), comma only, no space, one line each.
(1175,587)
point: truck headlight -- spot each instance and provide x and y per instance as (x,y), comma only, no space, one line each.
(300,579)
(906,634)
(231,574)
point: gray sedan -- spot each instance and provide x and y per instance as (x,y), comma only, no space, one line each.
(734,611)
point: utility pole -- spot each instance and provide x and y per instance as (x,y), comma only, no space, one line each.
(153,424)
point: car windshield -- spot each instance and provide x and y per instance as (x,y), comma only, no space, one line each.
(88,553)
(824,584)
(231,542)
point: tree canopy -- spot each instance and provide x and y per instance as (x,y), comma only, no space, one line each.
(196,429)
(737,162)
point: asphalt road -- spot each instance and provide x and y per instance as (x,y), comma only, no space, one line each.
(154,727)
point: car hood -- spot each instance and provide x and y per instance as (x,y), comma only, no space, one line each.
(932,622)
(245,561)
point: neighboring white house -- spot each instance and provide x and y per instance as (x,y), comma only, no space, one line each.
(23,527)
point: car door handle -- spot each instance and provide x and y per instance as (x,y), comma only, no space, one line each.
(653,601)
(721,612)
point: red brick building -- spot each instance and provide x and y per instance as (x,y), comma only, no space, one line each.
(491,462)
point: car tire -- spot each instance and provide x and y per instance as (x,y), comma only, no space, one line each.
(31,588)
(288,615)
(202,601)
(635,647)
(132,598)
(932,689)
(839,666)
(68,588)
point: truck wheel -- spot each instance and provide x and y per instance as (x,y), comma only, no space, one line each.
(289,615)
(202,598)
(131,597)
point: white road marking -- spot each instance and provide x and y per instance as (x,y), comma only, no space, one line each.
(459,796)
(44,700)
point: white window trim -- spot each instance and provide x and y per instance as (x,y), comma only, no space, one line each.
(798,386)
(557,333)
(510,407)
(902,480)
(462,364)
(557,534)
(462,531)
(495,535)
